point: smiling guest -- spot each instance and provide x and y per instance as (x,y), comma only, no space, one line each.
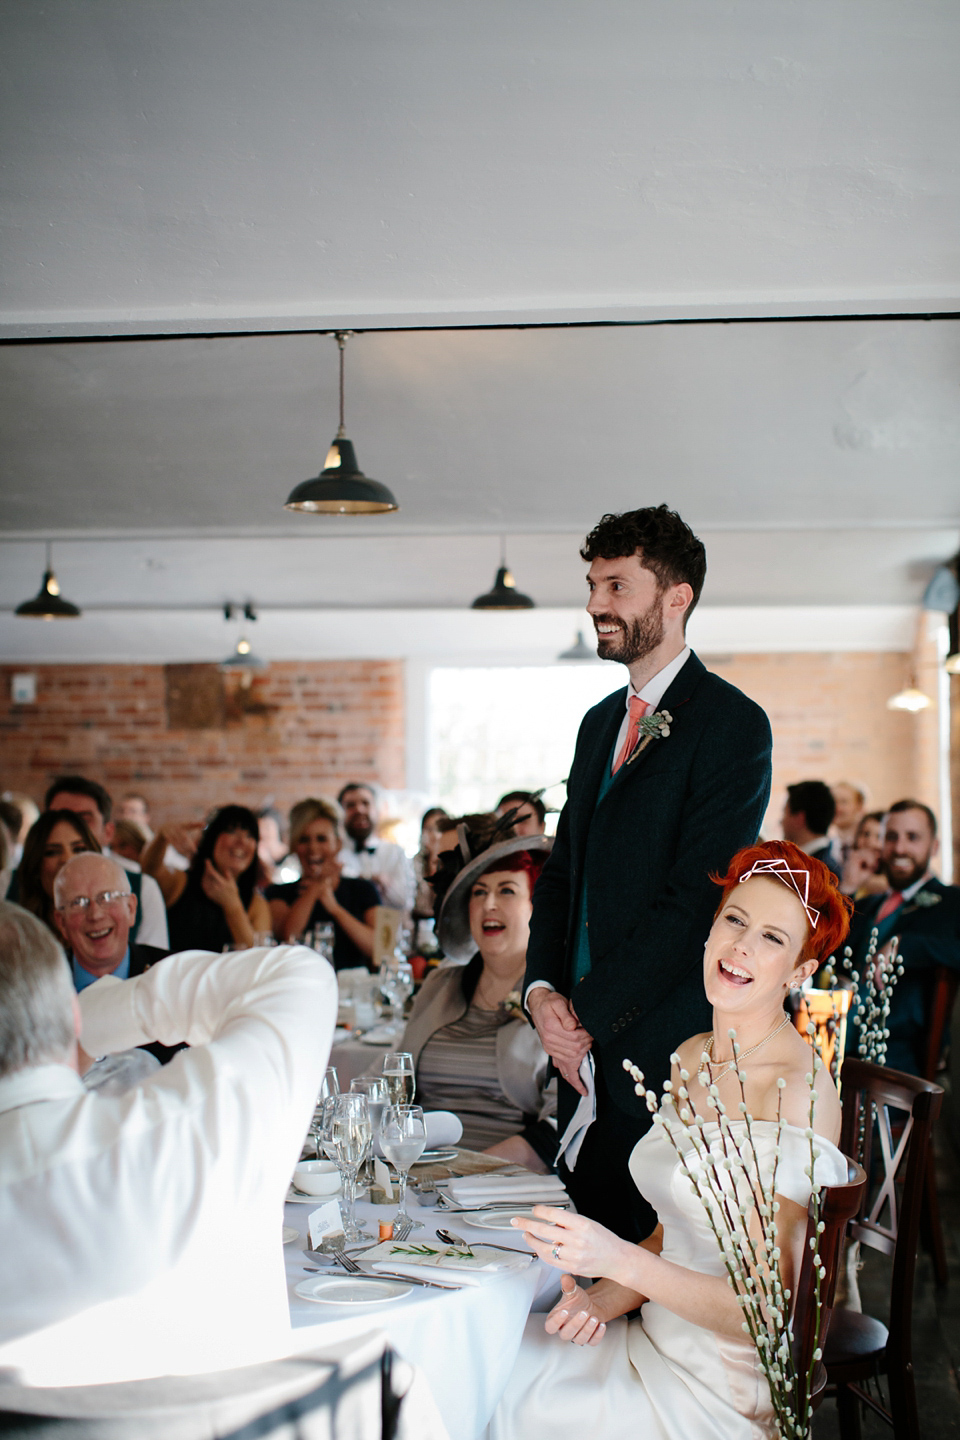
(323,893)
(474,1052)
(50,842)
(215,904)
(94,913)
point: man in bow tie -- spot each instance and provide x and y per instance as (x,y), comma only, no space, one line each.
(925,916)
(367,856)
(670,777)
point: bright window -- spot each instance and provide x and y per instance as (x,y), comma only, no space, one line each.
(508,728)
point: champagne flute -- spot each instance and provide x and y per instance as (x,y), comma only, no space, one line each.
(350,1137)
(400,1078)
(403,1135)
(375,1089)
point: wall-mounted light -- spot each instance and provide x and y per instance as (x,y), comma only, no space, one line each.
(341,488)
(48,603)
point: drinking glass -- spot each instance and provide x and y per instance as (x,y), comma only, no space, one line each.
(330,1086)
(350,1138)
(399,1075)
(403,1136)
(375,1089)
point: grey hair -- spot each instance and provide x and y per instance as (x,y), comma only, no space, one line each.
(61,876)
(36,993)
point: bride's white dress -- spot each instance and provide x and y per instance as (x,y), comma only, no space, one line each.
(659,1377)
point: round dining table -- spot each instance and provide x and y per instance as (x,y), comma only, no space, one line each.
(464,1341)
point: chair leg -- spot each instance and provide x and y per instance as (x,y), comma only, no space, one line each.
(848,1413)
(931,1221)
(903,1404)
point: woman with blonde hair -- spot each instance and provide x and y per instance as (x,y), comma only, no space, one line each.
(322,894)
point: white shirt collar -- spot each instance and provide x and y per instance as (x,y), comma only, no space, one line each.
(39,1082)
(658,685)
(913,889)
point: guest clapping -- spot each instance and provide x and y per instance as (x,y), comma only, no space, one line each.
(50,843)
(323,894)
(862,872)
(214,904)
(475,1053)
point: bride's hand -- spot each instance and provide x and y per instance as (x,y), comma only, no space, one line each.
(574,1243)
(575,1317)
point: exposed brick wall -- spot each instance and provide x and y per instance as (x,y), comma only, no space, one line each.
(830,722)
(300,728)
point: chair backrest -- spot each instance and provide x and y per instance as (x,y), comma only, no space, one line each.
(838,1203)
(893,1152)
(944,994)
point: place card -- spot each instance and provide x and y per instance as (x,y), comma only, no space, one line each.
(325,1221)
(381,1177)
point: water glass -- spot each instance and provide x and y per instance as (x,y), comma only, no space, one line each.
(330,1086)
(398,1073)
(403,1137)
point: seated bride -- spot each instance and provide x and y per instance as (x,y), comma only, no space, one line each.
(683,1369)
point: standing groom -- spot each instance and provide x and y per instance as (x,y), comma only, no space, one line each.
(670,777)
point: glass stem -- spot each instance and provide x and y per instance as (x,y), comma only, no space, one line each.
(402,1198)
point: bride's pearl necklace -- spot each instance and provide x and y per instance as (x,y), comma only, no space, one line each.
(728,1065)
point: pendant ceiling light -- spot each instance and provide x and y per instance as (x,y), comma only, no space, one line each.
(48,604)
(910,698)
(341,488)
(243,661)
(579,650)
(504,595)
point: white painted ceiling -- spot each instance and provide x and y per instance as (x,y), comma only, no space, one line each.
(222,169)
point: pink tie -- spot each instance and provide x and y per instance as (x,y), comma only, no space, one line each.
(638,708)
(892,902)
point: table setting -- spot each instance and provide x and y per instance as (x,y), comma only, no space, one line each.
(426,1263)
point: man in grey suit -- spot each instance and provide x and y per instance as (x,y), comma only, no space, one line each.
(670,778)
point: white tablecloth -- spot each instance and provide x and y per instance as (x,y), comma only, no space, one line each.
(353,1058)
(464,1341)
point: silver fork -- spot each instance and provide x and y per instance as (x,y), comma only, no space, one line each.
(342,1258)
(401,1231)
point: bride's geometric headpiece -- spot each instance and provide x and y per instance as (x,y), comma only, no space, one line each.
(780,869)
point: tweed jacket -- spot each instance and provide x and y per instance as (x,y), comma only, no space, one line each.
(673,815)
(521,1060)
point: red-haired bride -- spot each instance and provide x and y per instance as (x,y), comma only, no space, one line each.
(684,1370)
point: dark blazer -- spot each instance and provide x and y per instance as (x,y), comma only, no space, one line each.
(929,936)
(143,956)
(674,814)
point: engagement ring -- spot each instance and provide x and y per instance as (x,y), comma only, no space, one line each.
(555,1252)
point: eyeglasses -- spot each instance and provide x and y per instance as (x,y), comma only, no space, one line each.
(79,903)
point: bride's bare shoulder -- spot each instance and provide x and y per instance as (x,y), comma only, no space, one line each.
(691,1050)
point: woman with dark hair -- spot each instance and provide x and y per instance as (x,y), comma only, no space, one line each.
(214,904)
(425,860)
(50,842)
(473,1049)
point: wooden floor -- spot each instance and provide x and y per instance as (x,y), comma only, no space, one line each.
(936,1319)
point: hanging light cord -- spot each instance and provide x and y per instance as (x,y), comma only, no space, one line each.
(342,342)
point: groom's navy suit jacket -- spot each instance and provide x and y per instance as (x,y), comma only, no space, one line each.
(674,814)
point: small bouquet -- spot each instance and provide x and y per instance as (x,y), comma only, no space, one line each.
(740,1205)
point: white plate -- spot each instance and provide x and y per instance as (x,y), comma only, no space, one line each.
(494,1219)
(294,1199)
(289,1234)
(380,1036)
(436,1157)
(345,1290)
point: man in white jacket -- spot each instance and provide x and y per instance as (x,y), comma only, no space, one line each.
(142,1234)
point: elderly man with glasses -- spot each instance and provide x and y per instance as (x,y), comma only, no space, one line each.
(95,911)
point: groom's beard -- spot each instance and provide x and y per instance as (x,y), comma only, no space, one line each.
(636,640)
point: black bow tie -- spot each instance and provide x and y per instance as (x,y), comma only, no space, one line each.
(363,849)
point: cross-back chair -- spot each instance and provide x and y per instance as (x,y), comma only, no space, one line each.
(887,1122)
(942,1000)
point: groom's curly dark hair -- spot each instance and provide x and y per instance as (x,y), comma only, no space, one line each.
(664,543)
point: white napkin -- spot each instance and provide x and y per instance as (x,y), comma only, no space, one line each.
(443,1128)
(583,1116)
(484,1265)
(482,1189)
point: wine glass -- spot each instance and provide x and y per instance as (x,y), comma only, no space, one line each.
(399,1075)
(350,1139)
(330,1086)
(375,1089)
(403,1136)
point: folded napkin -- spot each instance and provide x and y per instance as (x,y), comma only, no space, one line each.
(484,1189)
(583,1117)
(443,1128)
(465,1265)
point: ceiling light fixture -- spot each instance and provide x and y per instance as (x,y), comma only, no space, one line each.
(341,488)
(242,662)
(48,604)
(504,595)
(579,650)
(910,698)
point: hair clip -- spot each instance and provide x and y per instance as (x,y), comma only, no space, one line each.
(780,869)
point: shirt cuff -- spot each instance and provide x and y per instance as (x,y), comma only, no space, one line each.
(536,985)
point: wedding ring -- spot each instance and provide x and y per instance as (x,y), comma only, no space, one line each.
(555,1252)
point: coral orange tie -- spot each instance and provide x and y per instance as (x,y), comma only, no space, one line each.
(638,708)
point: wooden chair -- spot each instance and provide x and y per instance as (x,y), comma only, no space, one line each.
(838,1204)
(860,1348)
(942,1000)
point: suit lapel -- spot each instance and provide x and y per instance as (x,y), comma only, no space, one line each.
(677,695)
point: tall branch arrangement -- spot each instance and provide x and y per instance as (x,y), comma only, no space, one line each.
(740,1206)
